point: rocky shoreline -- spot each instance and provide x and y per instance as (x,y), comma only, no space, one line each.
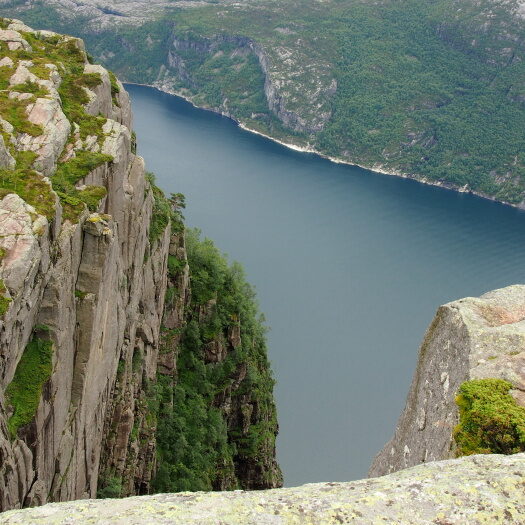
(375,168)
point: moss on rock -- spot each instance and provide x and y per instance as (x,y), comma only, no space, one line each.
(490,420)
(25,390)
(4,300)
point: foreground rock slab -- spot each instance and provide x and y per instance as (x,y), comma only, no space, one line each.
(472,490)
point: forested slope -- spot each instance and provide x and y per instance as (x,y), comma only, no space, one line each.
(433,90)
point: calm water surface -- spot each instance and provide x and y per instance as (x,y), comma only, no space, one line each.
(349,265)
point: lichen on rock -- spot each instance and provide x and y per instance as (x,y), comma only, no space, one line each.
(474,490)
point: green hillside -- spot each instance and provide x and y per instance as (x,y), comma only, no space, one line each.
(433,89)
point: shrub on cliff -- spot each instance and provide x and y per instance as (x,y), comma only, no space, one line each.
(490,420)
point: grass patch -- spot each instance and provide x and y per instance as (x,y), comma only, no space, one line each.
(25,159)
(4,301)
(40,70)
(25,390)
(74,205)
(30,87)
(14,111)
(31,187)
(90,80)
(70,172)
(490,420)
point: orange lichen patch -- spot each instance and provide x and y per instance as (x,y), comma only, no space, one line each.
(498,316)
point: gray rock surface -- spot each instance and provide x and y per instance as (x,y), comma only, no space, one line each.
(472,338)
(98,285)
(467,491)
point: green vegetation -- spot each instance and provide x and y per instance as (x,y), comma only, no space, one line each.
(79,294)
(14,111)
(24,392)
(69,173)
(4,300)
(427,88)
(112,488)
(23,180)
(30,186)
(490,420)
(225,75)
(198,447)
(164,211)
(115,89)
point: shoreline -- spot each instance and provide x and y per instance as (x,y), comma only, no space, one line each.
(376,168)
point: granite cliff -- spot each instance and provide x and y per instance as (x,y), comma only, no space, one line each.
(99,296)
(472,339)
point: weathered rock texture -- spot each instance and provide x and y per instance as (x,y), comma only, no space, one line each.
(473,490)
(90,284)
(93,282)
(473,338)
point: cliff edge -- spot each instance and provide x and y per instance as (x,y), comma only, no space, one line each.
(476,338)
(475,490)
(100,298)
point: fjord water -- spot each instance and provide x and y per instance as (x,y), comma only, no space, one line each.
(349,267)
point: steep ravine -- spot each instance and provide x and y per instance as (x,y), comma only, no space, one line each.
(102,305)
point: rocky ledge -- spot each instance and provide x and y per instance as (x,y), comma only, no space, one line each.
(473,490)
(475,338)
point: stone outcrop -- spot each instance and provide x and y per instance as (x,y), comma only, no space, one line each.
(472,338)
(468,491)
(85,239)
(88,282)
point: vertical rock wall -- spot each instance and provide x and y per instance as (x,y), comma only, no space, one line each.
(86,240)
(97,286)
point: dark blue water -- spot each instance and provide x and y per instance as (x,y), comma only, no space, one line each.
(349,265)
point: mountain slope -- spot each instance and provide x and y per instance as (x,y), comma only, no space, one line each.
(433,90)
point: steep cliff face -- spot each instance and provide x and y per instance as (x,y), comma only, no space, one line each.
(86,245)
(74,277)
(473,338)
